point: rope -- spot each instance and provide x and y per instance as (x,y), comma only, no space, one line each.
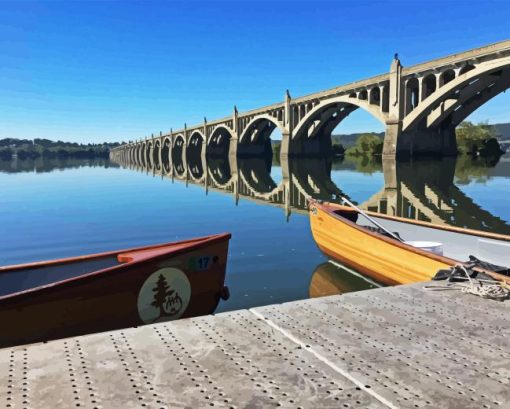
(493,290)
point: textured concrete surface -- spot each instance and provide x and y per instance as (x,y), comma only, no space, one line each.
(392,347)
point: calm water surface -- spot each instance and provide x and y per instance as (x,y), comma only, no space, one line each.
(53,209)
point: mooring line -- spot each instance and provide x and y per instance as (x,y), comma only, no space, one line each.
(322,358)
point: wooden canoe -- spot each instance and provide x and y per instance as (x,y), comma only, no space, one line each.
(119,289)
(343,236)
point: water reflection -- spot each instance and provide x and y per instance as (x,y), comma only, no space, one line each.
(219,170)
(110,210)
(425,190)
(251,178)
(330,279)
(422,189)
(41,164)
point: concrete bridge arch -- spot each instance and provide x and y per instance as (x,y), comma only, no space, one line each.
(166,155)
(195,141)
(219,141)
(446,98)
(312,135)
(429,127)
(195,144)
(155,152)
(132,153)
(143,154)
(179,140)
(195,155)
(139,152)
(256,136)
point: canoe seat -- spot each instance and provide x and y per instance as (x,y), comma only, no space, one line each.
(351,215)
(381,231)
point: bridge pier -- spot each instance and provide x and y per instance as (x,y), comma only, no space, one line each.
(393,130)
(425,142)
(419,140)
(232,146)
(319,145)
(389,167)
(285,145)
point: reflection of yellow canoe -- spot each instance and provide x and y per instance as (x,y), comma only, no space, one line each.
(329,279)
(340,235)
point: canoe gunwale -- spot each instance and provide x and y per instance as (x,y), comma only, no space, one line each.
(74,259)
(460,230)
(183,247)
(453,229)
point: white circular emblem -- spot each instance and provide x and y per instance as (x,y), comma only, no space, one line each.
(164,296)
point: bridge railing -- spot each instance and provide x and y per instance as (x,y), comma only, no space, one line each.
(453,59)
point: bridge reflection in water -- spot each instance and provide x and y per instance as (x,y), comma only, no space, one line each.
(425,190)
(422,190)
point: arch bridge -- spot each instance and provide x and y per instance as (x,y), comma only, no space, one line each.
(419,106)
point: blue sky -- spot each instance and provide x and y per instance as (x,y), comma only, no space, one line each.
(109,71)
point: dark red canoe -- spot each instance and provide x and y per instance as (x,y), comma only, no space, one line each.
(119,289)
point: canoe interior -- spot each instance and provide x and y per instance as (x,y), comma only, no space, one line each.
(456,245)
(24,279)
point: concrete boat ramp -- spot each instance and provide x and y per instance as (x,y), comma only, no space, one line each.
(399,347)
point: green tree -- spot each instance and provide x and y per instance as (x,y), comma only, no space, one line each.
(276,147)
(471,138)
(28,149)
(338,149)
(161,292)
(6,153)
(367,144)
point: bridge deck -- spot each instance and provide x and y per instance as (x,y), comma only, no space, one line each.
(391,347)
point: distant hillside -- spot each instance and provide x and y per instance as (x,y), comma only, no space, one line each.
(503,131)
(348,140)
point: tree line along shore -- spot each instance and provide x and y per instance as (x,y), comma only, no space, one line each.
(474,140)
(45,148)
(479,139)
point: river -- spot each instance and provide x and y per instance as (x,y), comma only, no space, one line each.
(59,208)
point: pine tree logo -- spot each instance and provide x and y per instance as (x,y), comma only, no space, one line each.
(166,300)
(164,295)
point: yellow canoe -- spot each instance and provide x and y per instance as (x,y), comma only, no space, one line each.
(341,235)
